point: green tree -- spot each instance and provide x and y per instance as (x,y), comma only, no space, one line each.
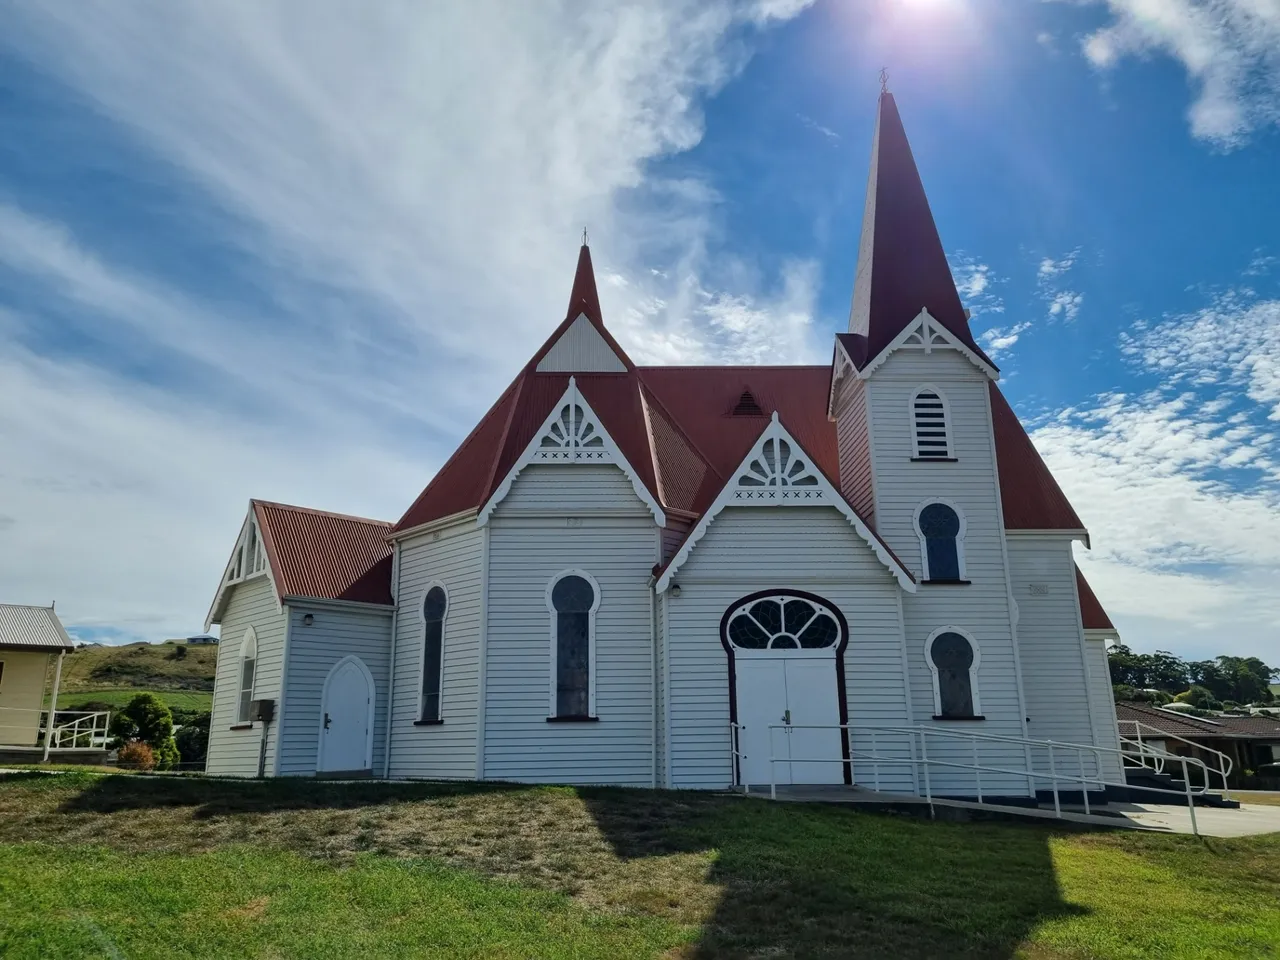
(146,718)
(1199,696)
(193,741)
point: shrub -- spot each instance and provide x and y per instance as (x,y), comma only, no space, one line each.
(146,718)
(136,755)
(193,741)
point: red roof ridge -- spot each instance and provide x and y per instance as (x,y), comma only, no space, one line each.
(674,423)
(322,513)
(732,366)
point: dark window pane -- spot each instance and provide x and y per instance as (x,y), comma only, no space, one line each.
(573,662)
(796,615)
(745,632)
(822,632)
(768,614)
(939,520)
(953,656)
(431,657)
(944,560)
(434,605)
(572,595)
(784,641)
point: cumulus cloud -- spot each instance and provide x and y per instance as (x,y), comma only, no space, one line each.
(1230,50)
(405,185)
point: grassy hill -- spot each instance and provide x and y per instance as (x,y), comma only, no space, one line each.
(112,675)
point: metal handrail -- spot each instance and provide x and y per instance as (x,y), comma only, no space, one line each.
(1225,763)
(93,726)
(1054,776)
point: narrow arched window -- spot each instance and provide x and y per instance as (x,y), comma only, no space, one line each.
(248,667)
(930,433)
(434,607)
(941,531)
(953,659)
(573,599)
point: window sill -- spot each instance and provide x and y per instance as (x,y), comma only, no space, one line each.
(934,460)
(427,723)
(946,583)
(241,726)
(960,719)
(573,719)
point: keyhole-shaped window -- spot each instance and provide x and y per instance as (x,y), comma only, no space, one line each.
(953,660)
(434,607)
(940,533)
(573,604)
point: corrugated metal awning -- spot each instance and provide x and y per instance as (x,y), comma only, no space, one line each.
(32,628)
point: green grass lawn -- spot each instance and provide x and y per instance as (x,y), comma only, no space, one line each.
(1269,797)
(132,866)
(118,697)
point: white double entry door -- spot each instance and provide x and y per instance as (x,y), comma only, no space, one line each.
(788,708)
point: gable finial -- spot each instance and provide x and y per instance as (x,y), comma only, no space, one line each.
(584,236)
(884,79)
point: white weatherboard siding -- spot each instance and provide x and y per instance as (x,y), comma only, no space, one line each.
(251,604)
(550,522)
(452,556)
(313,651)
(581,349)
(1102,707)
(1051,648)
(746,550)
(661,694)
(980,607)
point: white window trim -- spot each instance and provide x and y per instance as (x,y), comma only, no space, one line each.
(924,544)
(591,640)
(946,422)
(249,641)
(422,648)
(973,668)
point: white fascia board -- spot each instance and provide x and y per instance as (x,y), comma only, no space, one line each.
(1082,535)
(1101,633)
(572,451)
(816,491)
(381,609)
(215,609)
(927,328)
(434,526)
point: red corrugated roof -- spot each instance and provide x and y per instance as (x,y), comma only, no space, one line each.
(1092,616)
(1032,498)
(329,556)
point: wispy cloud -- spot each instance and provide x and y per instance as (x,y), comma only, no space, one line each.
(406,184)
(1000,340)
(1062,303)
(815,126)
(1230,50)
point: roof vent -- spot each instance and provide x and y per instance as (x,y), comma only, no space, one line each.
(747,406)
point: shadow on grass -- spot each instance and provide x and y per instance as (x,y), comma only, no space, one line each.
(780,879)
(806,880)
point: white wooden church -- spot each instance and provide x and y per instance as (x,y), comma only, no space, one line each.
(698,577)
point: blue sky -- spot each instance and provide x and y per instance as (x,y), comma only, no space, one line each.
(294,250)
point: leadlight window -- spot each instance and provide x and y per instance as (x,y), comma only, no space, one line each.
(929,425)
(939,527)
(248,667)
(434,606)
(573,602)
(783,622)
(952,658)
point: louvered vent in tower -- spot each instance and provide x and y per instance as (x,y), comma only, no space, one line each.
(747,406)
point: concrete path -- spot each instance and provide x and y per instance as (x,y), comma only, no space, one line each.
(1251,819)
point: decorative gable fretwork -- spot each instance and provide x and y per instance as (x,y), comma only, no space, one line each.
(928,334)
(777,472)
(571,434)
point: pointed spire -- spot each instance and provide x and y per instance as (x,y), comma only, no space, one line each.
(583,298)
(902,267)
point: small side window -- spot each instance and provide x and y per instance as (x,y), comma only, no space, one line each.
(573,598)
(941,530)
(248,668)
(434,607)
(930,431)
(953,659)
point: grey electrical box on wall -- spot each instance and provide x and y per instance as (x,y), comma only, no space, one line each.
(262,710)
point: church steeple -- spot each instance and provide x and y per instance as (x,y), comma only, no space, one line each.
(583,298)
(902,267)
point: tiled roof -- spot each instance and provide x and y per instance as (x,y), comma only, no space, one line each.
(1092,615)
(328,556)
(32,628)
(1200,728)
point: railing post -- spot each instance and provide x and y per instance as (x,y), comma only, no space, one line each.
(1084,781)
(976,771)
(1053,779)
(1191,801)
(773,785)
(928,788)
(875,763)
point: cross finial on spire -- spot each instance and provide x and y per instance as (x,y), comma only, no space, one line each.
(584,236)
(884,80)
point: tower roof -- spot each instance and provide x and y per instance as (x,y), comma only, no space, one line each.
(583,298)
(902,267)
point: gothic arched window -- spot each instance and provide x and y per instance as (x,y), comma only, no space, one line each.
(248,668)
(573,599)
(435,606)
(782,621)
(941,530)
(953,660)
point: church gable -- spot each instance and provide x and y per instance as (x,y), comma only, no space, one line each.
(572,435)
(581,349)
(778,472)
(925,335)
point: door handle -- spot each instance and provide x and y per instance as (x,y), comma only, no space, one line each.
(326,721)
